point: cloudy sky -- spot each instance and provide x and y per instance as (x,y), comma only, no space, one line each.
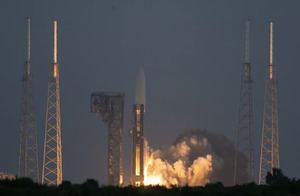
(192,55)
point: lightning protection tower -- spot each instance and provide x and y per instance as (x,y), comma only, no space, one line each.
(52,163)
(244,133)
(110,106)
(269,152)
(28,148)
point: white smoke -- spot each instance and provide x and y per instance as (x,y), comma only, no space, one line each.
(181,171)
(195,159)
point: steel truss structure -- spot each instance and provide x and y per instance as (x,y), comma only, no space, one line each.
(52,162)
(244,133)
(110,106)
(28,147)
(269,153)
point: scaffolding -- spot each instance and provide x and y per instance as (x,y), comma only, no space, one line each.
(110,107)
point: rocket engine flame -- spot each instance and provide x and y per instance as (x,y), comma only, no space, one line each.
(181,172)
(195,159)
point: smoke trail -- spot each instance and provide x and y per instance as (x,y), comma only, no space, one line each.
(196,158)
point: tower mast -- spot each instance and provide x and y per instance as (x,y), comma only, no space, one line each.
(52,162)
(269,152)
(28,148)
(244,133)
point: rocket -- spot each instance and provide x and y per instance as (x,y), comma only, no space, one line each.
(140,91)
(137,131)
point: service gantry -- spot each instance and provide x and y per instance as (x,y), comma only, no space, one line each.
(110,106)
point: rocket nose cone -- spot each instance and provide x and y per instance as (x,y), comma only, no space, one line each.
(140,92)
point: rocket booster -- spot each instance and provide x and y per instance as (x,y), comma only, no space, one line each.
(137,166)
(140,91)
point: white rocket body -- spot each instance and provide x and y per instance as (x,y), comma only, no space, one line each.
(140,91)
(137,171)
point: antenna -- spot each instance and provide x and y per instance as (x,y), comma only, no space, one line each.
(271,43)
(247,42)
(28,39)
(55,42)
(271,50)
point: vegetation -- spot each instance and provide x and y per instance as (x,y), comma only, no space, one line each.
(278,184)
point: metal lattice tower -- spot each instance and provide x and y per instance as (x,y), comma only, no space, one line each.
(269,152)
(52,163)
(244,133)
(110,106)
(28,149)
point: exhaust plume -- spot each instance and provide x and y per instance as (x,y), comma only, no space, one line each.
(196,158)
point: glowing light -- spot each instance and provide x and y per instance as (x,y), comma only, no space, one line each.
(121,179)
(137,159)
(158,171)
(55,71)
(55,42)
(151,179)
(271,43)
(138,111)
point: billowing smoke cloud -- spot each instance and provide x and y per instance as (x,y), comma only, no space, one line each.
(196,158)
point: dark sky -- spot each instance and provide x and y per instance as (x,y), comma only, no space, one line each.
(192,54)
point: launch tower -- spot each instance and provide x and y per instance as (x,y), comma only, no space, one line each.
(244,133)
(52,162)
(269,152)
(110,106)
(28,148)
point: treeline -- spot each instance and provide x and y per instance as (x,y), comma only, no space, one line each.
(278,184)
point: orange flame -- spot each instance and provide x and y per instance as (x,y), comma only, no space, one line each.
(160,172)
